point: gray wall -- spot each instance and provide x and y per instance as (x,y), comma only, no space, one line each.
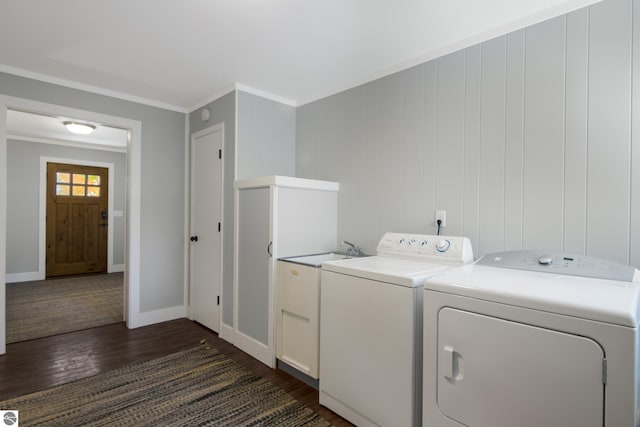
(23,194)
(526,140)
(223,110)
(162,186)
(265,145)
(266,137)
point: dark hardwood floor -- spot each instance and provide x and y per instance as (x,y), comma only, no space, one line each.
(41,363)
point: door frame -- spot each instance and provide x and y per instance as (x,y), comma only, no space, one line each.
(215,128)
(42,225)
(132,312)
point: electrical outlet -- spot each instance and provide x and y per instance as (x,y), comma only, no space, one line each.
(442,216)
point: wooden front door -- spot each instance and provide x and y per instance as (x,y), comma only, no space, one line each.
(76,219)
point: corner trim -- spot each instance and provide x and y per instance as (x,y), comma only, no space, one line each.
(267,95)
(226,332)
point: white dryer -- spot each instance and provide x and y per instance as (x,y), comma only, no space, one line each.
(371,327)
(532,339)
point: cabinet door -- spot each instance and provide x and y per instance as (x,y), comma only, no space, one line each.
(498,373)
(297,316)
(253,294)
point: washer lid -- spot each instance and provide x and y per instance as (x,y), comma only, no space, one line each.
(386,269)
(609,301)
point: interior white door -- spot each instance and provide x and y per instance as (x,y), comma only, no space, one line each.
(206,235)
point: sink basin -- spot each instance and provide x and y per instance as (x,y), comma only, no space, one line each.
(346,255)
(337,255)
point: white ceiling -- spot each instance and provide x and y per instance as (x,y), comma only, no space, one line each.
(182,54)
(25,126)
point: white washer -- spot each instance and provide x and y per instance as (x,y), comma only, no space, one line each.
(371,327)
(532,339)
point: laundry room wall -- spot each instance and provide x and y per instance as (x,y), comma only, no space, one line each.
(162,185)
(527,141)
(223,110)
(266,139)
(259,140)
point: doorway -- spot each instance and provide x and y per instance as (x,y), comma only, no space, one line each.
(79,188)
(74,184)
(76,220)
(131,215)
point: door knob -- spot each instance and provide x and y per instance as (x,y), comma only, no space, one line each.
(194,238)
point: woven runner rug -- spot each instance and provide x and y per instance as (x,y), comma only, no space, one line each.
(50,307)
(195,387)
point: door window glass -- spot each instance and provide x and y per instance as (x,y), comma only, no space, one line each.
(77,184)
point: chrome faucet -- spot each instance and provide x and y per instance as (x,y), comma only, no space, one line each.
(352,249)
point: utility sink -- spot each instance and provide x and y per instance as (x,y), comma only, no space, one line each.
(317,260)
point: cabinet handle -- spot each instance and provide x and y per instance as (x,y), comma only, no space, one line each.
(269,246)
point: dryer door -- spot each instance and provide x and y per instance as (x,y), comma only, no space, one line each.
(498,373)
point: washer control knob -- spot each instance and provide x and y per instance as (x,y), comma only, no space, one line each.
(401,241)
(423,243)
(443,245)
(545,260)
(412,242)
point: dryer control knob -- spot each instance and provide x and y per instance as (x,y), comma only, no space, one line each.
(443,245)
(412,242)
(545,260)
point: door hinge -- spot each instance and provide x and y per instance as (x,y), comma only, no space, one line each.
(218,299)
(219,227)
(219,154)
(604,371)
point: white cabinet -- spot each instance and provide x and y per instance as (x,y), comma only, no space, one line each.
(298,316)
(275,217)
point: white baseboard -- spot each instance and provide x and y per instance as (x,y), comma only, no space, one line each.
(35,275)
(157,316)
(226,332)
(22,277)
(116,268)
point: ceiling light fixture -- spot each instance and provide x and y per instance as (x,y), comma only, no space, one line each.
(79,128)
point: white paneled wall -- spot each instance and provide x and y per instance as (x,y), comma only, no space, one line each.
(530,140)
(609,129)
(634,234)
(491,177)
(575,143)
